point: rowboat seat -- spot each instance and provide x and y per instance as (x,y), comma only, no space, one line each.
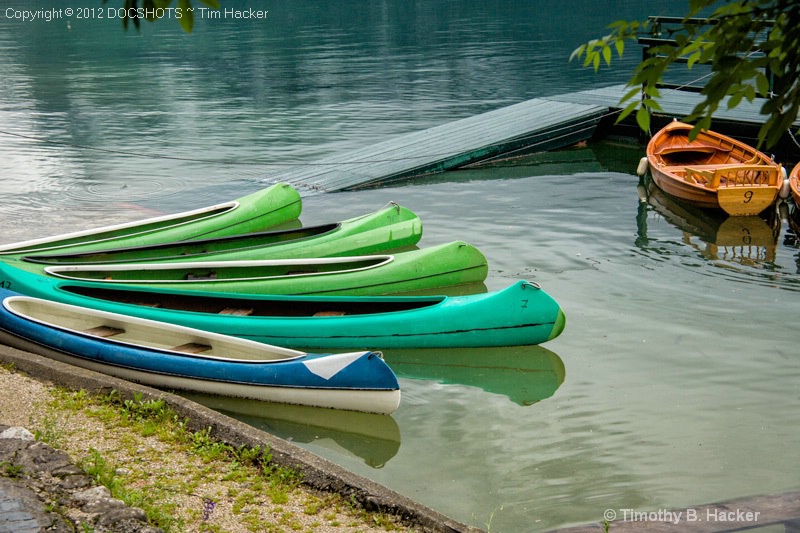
(666,150)
(191,347)
(732,175)
(104,331)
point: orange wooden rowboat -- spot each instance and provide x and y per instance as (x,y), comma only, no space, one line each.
(713,171)
(794,184)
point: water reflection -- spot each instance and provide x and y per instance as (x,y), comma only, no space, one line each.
(525,374)
(792,237)
(744,241)
(373,438)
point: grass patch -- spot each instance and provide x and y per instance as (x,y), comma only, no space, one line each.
(188,480)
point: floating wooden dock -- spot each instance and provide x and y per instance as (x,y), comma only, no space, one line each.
(741,122)
(536,125)
(531,126)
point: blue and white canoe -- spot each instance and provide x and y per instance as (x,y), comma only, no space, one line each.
(175,357)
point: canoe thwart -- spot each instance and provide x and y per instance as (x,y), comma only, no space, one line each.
(104,331)
(190,276)
(329,313)
(236,312)
(191,347)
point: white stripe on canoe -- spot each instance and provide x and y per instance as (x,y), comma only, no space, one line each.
(328,366)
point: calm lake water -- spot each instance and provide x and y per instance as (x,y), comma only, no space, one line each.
(677,379)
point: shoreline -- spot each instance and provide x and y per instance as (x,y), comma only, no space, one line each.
(318,475)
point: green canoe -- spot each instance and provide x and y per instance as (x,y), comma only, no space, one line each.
(445,265)
(520,314)
(259,210)
(390,227)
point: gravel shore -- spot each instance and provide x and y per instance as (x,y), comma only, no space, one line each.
(328,499)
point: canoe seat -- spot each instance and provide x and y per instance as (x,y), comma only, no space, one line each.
(329,313)
(210,276)
(104,331)
(191,347)
(236,312)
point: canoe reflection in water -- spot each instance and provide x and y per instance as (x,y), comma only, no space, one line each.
(525,374)
(373,438)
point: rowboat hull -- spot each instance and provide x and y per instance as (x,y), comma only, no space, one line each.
(391,227)
(175,357)
(713,171)
(268,207)
(794,184)
(449,264)
(521,314)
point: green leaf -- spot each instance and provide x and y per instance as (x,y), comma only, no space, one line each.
(627,111)
(693,59)
(636,91)
(607,55)
(735,100)
(643,119)
(620,45)
(213,4)
(187,15)
(763,84)
(578,52)
(652,105)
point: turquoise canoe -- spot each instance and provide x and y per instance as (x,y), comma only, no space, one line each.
(257,211)
(393,226)
(454,263)
(520,314)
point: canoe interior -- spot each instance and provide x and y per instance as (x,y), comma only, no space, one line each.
(185,249)
(220,271)
(263,306)
(130,229)
(144,333)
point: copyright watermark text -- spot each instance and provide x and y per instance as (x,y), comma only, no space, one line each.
(738,516)
(95,13)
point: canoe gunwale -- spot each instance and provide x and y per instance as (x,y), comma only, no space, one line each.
(313,231)
(193,216)
(375,261)
(292,355)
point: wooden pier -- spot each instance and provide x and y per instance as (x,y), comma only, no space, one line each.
(536,125)
(531,126)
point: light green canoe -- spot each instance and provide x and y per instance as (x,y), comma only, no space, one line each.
(445,265)
(391,227)
(257,211)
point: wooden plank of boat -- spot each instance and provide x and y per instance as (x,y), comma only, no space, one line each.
(393,226)
(176,357)
(521,314)
(448,264)
(259,210)
(794,184)
(713,171)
